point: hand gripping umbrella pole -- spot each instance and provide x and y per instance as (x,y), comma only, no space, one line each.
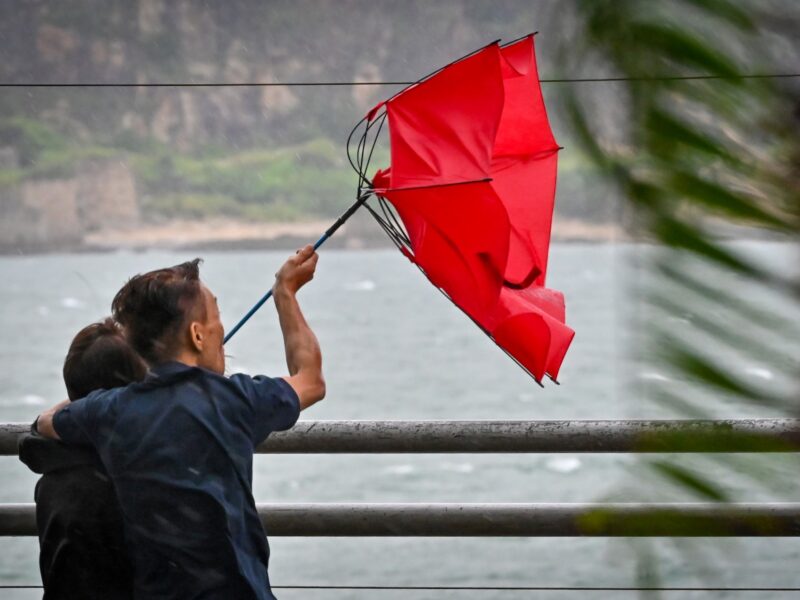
(328,233)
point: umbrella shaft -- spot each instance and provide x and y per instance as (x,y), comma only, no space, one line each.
(330,231)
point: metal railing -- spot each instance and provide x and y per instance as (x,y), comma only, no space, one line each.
(404,437)
(503,520)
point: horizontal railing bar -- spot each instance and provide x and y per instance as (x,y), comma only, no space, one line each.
(382,437)
(501,520)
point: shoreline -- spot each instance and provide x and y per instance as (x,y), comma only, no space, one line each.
(231,234)
(237,235)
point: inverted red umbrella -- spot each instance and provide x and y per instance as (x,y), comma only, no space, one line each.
(472,180)
(469,195)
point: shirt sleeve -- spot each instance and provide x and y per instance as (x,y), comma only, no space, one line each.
(78,422)
(274,403)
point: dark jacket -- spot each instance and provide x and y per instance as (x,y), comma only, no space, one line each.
(82,551)
(179,448)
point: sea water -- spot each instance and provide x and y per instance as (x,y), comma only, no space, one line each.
(394,348)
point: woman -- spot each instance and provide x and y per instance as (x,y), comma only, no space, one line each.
(82,551)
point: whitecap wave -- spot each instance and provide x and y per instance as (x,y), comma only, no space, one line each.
(400,469)
(360,286)
(72,303)
(563,464)
(33,400)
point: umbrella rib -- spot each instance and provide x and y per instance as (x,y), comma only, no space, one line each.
(431,185)
(393,222)
(385,226)
(374,142)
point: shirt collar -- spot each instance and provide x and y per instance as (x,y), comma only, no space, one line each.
(169,370)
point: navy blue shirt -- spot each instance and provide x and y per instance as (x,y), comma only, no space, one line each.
(179,449)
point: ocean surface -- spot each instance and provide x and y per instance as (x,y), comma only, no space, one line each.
(394,348)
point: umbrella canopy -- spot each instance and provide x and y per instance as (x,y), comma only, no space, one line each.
(472,179)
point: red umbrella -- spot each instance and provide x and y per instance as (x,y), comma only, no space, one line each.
(472,179)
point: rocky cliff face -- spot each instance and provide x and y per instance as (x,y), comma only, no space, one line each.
(60,212)
(152,41)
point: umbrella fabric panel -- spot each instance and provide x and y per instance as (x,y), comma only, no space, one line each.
(443,129)
(524,127)
(524,164)
(526,186)
(459,237)
(548,305)
(526,337)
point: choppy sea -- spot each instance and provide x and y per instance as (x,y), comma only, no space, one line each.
(394,348)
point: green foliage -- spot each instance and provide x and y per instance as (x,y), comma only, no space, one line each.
(711,155)
(62,162)
(43,152)
(698,484)
(286,183)
(10,177)
(29,138)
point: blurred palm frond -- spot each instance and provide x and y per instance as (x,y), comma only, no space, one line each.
(709,173)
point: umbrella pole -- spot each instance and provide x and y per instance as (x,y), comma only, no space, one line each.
(328,233)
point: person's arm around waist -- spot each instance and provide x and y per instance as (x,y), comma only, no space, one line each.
(303,355)
(44,422)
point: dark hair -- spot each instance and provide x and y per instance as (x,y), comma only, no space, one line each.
(152,308)
(100,357)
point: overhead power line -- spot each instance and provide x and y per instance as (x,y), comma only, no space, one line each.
(467,588)
(385,83)
(443,588)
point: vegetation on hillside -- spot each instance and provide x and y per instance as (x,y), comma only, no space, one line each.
(305,180)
